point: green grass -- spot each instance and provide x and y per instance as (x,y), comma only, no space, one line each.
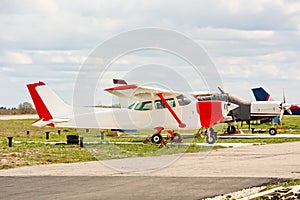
(291,123)
(22,154)
(282,183)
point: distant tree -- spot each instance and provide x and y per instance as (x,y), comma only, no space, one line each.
(26,108)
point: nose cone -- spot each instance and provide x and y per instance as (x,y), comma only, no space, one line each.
(227,107)
(232,106)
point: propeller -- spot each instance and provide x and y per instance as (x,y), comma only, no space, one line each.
(230,106)
(284,107)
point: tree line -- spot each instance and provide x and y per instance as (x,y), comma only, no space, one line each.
(23,108)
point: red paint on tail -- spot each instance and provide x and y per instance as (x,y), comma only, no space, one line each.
(41,109)
(210,113)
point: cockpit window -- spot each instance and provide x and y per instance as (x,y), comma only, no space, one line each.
(147,105)
(160,105)
(182,100)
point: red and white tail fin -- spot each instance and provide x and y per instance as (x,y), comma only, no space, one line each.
(48,105)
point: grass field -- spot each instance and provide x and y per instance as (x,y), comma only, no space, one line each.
(33,148)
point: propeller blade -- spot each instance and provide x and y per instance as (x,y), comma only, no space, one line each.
(281,115)
(289,111)
(221,90)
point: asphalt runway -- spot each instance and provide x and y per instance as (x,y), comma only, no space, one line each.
(107,187)
(186,176)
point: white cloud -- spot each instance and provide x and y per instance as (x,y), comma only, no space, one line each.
(16,58)
(251,42)
(7,69)
(209,33)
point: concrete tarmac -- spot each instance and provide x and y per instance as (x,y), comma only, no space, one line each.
(192,175)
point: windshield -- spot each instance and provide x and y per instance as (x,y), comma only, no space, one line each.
(182,100)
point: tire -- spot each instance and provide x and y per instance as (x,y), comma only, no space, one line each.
(272,131)
(210,139)
(177,138)
(156,138)
(215,134)
(231,130)
(211,136)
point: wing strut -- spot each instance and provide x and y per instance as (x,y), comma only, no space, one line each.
(181,124)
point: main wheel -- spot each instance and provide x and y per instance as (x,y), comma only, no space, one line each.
(272,131)
(177,138)
(231,130)
(156,138)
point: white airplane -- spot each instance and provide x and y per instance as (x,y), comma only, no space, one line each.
(154,108)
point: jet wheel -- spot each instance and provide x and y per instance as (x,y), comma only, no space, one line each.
(231,130)
(156,138)
(272,131)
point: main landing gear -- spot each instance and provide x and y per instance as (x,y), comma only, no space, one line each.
(272,131)
(158,139)
(211,136)
(231,129)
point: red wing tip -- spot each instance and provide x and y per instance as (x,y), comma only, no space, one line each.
(122,87)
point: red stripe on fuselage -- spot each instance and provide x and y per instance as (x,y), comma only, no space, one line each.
(41,109)
(210,113)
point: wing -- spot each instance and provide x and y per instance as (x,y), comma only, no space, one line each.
(140,93)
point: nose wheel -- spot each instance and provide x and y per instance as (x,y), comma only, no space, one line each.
(211,136)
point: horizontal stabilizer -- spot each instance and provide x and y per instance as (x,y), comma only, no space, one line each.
(51,122)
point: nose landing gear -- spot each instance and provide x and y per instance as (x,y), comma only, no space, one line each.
(211,136)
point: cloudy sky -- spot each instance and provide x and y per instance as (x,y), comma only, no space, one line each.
(251,43)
